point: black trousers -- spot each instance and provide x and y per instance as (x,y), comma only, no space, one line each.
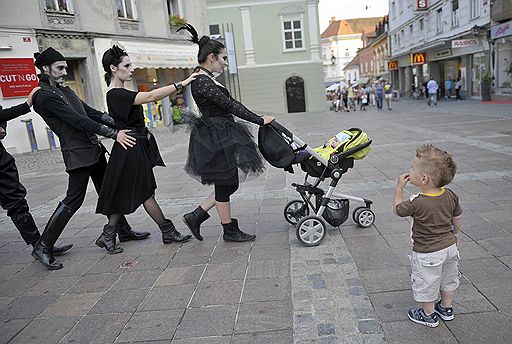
(12,194)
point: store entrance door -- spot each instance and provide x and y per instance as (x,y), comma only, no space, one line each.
(295,98)
(74,78)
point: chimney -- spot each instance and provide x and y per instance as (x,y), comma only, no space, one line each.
(332,20)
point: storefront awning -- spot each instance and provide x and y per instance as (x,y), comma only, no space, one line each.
(161,55)
(363,80)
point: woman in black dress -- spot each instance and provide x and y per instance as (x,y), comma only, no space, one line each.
(219,146)
(129,180)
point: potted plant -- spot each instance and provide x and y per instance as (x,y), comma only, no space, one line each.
(176,21)
(485,88)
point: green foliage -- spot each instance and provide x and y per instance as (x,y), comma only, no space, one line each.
(177,21)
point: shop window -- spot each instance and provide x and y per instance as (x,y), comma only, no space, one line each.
(292,32)
(439,20)
(214,29)
(59,6)
(126,9)
(475,8)
(455,12)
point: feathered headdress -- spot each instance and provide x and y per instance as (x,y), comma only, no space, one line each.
(193,32)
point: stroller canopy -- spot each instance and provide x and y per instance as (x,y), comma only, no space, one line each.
(274,147)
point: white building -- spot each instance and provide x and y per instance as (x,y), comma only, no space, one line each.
(443,39)
(340,43)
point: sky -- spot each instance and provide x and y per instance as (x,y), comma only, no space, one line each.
(346,9)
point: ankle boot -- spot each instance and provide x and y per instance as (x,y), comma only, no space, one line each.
(170,233)
(233,233)
(125,233)
(194,219)
(43,249)
(107,239)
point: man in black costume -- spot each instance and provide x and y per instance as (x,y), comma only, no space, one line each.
(76,124)
(12,192)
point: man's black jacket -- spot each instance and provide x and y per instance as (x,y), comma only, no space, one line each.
(74,122)
(11,113)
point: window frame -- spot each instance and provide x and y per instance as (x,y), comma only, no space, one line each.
(475,8)
(69,5)
(292,19)
(439,20)
(455,13)
(134,10)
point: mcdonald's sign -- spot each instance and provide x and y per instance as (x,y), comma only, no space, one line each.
(419,58)
(392,65)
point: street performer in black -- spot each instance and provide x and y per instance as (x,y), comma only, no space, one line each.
(12,192)
(76,124)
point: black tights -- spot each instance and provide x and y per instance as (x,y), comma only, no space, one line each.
(222,192)
(151,207)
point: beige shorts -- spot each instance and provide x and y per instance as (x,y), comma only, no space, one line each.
(389,96)
(434,271)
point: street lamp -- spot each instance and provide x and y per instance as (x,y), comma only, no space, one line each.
(333,59)
(476,30)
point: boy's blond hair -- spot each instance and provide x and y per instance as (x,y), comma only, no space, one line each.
(437,164)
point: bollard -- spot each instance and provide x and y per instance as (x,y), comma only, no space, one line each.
(31,134)
(51,138)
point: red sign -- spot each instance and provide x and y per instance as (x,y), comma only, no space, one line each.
(419,58)
(421,5)
(17,77)
(392,65)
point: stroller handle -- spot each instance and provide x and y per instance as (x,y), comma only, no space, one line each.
(280,128)
(354,150)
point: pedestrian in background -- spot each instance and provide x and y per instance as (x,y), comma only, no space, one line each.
(219,145)
(458,87)
(448,85)
(432,88)
(388,92)
(379,95)
(436,214)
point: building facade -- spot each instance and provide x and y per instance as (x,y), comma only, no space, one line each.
(501,47)
(352,71)
(82,31)
(275,62)
(340,44)
(440,39)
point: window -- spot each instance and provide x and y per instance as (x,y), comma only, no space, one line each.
(402,34)
(400,6)
(398,38)
(455,12)
(410,33)
(421,25)
(292,30)
(214,29)
(58,5)
(126,9)
(173,7)
(439,20)
(347,53)
(475,8)
(393,10)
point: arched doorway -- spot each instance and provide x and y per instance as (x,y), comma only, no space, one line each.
(295,96)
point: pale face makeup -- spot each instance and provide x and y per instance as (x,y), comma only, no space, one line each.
(124,70)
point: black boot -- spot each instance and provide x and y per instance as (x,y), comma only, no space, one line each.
(107,239)
(194,219)
(125,233)
(43,249)
(170,233)
(233,233)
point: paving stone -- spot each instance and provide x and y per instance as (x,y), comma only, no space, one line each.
(484,231)
(72,305)
(326,329)
(204,340)
(274,289)
(369,326)
(188,259)
(7,270)
(224,272)
(491,327)
(180,276)
(392,306)
(472,250)
(113,263)
(482,271)
(403,332)
(272,238)
(498,292)
(274,337)
(26,307)
(94,283)
(498,247)
(228,254)
(10,328)
(374,260)
(55,285)
(17,285)
(136,280)
(103,328)
(217,293)
(215,321)
(270,252)
(174,297)
(45,330)
(264,316)
(5,300)
(151,262)
(507,260)
(119,301)
(386,280)
(150,326)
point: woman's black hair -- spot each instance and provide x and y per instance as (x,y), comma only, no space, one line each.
(112,56)
(207,46)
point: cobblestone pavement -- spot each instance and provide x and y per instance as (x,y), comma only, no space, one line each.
(353,288)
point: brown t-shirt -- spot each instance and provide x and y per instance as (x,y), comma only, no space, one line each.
(432,215)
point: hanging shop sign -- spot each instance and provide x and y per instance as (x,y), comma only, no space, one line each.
(442,53)
(463,43)
(17,77)
(418,58)
(421,5)
(501,30)
(392,65)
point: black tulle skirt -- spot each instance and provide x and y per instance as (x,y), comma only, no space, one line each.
(129,179)
(219,147)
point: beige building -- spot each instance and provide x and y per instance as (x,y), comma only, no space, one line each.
(82,31)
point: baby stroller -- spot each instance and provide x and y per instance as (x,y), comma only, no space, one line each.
(316,207)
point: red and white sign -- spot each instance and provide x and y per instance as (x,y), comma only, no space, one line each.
(501,30)
(421,5)
(17,77)
(463,43)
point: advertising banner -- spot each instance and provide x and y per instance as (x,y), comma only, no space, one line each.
(17,77)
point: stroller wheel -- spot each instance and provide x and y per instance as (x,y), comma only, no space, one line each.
(295,210)
(354,213)
(364,217)
(311,230)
